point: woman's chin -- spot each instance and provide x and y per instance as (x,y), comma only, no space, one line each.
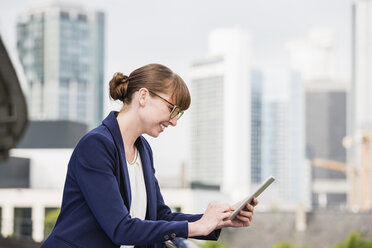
(153,134)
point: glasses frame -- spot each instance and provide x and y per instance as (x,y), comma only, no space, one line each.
(173,113)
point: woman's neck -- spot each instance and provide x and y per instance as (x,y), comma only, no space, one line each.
(130,130)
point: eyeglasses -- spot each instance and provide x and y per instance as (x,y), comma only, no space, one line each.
(175,112)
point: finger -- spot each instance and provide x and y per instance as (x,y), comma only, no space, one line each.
(227,223)
(237,223)
(254,202)
(249,207)
(226,219)
(244,218)
(241,221)
(246,214)
(225,215)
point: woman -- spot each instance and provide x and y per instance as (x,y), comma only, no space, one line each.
(111,196)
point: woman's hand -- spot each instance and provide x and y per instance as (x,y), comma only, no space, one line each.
(244,217)
(214,215)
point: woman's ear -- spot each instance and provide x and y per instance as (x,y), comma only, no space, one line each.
(142,96)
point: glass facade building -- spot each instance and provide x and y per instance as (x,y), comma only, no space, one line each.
(61,48)
(207,127)
(221,120)
(283,143)
(256,126)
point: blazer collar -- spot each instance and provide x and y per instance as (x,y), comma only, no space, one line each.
(112,124)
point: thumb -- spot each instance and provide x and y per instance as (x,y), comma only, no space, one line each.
(226,215)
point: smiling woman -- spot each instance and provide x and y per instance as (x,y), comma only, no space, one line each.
(157,88)
(111,196)
(154,77)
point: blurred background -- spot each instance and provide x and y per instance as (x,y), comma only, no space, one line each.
(278,88)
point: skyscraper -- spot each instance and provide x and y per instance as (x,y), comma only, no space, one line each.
(221,125)
(283,136)
(61,48)
(325,129)
(314,56)
(360,105)
(256,126)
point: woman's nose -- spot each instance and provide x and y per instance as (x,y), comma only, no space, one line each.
(173,121)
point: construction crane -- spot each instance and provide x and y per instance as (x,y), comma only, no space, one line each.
(330,165)
(362,172)
(359,194)
(342,167)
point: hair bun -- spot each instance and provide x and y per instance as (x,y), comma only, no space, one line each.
(118,86)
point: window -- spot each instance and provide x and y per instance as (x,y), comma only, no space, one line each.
(64,15)
(82,17)
(22,222)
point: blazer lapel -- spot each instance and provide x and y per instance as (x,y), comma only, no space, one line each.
(112,125)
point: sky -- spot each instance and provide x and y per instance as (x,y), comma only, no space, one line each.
(175,33)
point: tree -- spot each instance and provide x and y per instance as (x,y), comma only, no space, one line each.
(288,245)
(50,220)
(355,240)
(214,244)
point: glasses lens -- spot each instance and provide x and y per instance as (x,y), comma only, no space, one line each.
(176,112)
(179,115)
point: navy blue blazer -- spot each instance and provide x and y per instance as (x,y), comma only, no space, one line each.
(97,197)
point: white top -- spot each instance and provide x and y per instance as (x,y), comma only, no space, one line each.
(138,190)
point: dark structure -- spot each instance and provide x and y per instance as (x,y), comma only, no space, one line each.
(18,243)
(13,109)
(325,129)
(15,171)
(52,135)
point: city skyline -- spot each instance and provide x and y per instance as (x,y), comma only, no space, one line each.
(271,29)
(133,40)
(270,96)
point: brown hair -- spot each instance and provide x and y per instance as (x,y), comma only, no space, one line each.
(155,77)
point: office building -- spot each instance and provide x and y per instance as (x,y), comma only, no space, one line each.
(283,137)
(325,130)
(359,125)
(256,126)
(61,49)
(221,113)
(314,56)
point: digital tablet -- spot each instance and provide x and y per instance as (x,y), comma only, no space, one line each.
(263,186)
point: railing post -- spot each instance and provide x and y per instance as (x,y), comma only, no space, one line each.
(38,213)
(7,220)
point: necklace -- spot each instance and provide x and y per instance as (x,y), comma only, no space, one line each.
(135,157)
